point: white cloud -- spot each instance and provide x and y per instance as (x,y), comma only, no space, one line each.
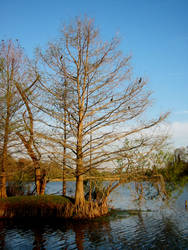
(179,132)
(183,112)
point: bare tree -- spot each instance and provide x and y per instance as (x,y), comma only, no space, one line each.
(10,62)
(28,138)
(61,104)
(106,102)
(56,102)
(17,79)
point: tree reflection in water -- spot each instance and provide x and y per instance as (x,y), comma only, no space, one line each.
(2,235)
(39,241)
(120,230)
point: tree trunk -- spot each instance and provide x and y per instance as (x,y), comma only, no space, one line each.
(43,186)
(79,194)
(65,136)
(38,180)
(43,183)
(64,157)
(3,193)
(64,182)
(90,189)
(90,162)
(64,164)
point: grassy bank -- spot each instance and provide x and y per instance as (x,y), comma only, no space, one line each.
(48,206)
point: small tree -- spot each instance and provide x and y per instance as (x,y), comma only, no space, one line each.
(28,139)
(106,102)
(141,163)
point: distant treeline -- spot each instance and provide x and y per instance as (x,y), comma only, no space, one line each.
(21,170)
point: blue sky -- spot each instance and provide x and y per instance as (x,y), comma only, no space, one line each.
(154,32)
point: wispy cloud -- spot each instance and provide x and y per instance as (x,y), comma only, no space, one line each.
(183,112)
(179,132)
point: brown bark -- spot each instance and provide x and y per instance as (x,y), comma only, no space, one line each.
(64,182)
(32,155)
(3,193)
(90,190)
(43,182)
(90,162)
(38,180)
(29,144)
(79,194)
(65,136)
(5,145)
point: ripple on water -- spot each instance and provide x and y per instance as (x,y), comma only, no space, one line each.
(147,230)
(165,229)
(17,239)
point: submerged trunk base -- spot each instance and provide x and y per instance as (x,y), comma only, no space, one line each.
(90,210)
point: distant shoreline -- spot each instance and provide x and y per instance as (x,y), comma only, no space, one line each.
(91,178)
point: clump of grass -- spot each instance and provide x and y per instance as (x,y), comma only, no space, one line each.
(49,206)
(33,206)
(39,199)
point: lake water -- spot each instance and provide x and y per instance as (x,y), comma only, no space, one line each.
(157,227)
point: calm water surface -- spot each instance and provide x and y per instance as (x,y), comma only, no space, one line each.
(155,228)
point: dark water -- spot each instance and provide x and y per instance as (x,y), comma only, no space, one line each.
(155,228)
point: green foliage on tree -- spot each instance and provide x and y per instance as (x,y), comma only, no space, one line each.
(176,176)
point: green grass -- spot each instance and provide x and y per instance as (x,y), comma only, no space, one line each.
(40,199)
(49,206)
(36,206)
